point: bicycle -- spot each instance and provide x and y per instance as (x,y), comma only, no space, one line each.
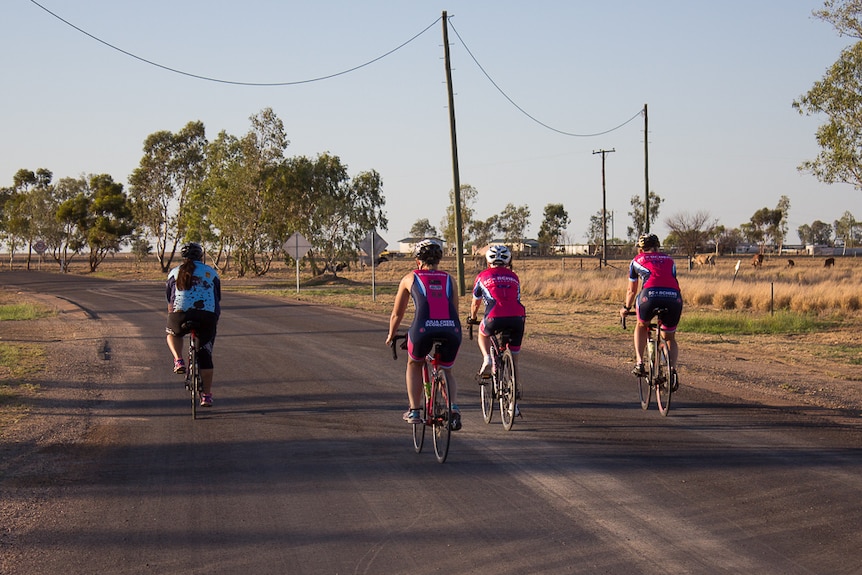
(503,386)
(437,411)
(658,379)
(193,374)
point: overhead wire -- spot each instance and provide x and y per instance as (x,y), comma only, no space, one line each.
(520,109)
(342,73)
(234,82)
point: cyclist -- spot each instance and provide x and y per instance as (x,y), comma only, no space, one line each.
(499,288)
(435,301)
(660,289)
(193,291)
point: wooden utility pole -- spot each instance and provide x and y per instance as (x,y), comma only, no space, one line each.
(646,170)
(459,240)
(604,260)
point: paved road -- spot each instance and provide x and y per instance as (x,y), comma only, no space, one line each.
(304,465)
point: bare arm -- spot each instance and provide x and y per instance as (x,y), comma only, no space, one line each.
(402,299)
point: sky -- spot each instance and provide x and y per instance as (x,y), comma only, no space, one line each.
(534,84)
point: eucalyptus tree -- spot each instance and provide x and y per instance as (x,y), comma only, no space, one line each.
(244,193)
(26,207)
(172,166)
(638,214)
(513,222)
(422,228)
(448,225)
(690,232)
(554,223)
(109,218)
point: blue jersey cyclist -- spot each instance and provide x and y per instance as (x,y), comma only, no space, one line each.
(499,289)
(193,291)
(660,289)
(436,317)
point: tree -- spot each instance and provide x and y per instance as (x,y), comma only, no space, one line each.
(422,228)
(109,218)
(637,214)
(553,224)
(513,223)
(817,234)
(595,228)
(838,95)
(483,231)
(764,227)
(468,200)
(690,231)
(845,229)
(172,166)
(780,229)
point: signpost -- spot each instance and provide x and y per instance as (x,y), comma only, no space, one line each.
(373,245)
(297,246)
(40,246)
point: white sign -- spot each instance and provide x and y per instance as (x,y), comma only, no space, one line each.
(297,246)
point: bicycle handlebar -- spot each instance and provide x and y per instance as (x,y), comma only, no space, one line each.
(471,322)
(392,344)
(623,317)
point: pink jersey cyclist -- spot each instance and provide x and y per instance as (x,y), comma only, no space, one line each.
(660,288)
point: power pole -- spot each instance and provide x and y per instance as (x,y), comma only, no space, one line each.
(646,171)
(459,240)
(604,260)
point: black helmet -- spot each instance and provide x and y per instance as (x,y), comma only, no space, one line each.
(428,252)
(192,251)
(648,241)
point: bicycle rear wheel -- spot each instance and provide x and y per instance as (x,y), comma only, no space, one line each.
(193,379)
(508,390)
(663,389)
(487,393)
(441,417)
(645,387)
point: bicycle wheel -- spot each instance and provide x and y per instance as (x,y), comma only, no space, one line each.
(419,433)
(193,380)
(508,390)
(442,407)
(486,391)
(663,390)
(645,387)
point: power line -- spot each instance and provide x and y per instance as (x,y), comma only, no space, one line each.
(520,109)
(222,81)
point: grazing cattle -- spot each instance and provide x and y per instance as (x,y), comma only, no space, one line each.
(757,260)
(790,263)
(705,259)
(829,262)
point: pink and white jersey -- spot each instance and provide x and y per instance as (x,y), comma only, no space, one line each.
(500,289)
(657,270)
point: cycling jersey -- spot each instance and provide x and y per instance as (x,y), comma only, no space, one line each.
(660,288)
(500,289)
(435,316)
(204,293)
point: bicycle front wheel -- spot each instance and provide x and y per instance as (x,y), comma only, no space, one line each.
(663,389)
(508,391)
(645,385)
(193,380)
(419,433)
(442,415)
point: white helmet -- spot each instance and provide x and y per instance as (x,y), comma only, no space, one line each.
(498,255)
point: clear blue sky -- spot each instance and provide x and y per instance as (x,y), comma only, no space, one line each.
(718,78)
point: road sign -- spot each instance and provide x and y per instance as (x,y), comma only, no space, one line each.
(373,244)
(40,247)
(297,246)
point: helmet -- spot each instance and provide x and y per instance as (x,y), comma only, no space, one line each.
(498,255)
(428,252)
(192,251)
(648,241)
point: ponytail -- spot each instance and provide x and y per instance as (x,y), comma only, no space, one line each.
(185,275)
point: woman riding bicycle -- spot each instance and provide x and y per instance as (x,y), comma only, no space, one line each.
(660,289)
(435,301)
(193,291)
(499,288)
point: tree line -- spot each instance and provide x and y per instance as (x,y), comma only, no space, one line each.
(240,197)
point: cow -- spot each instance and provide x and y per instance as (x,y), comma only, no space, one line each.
(829,262)
(705,259)
(757,260)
